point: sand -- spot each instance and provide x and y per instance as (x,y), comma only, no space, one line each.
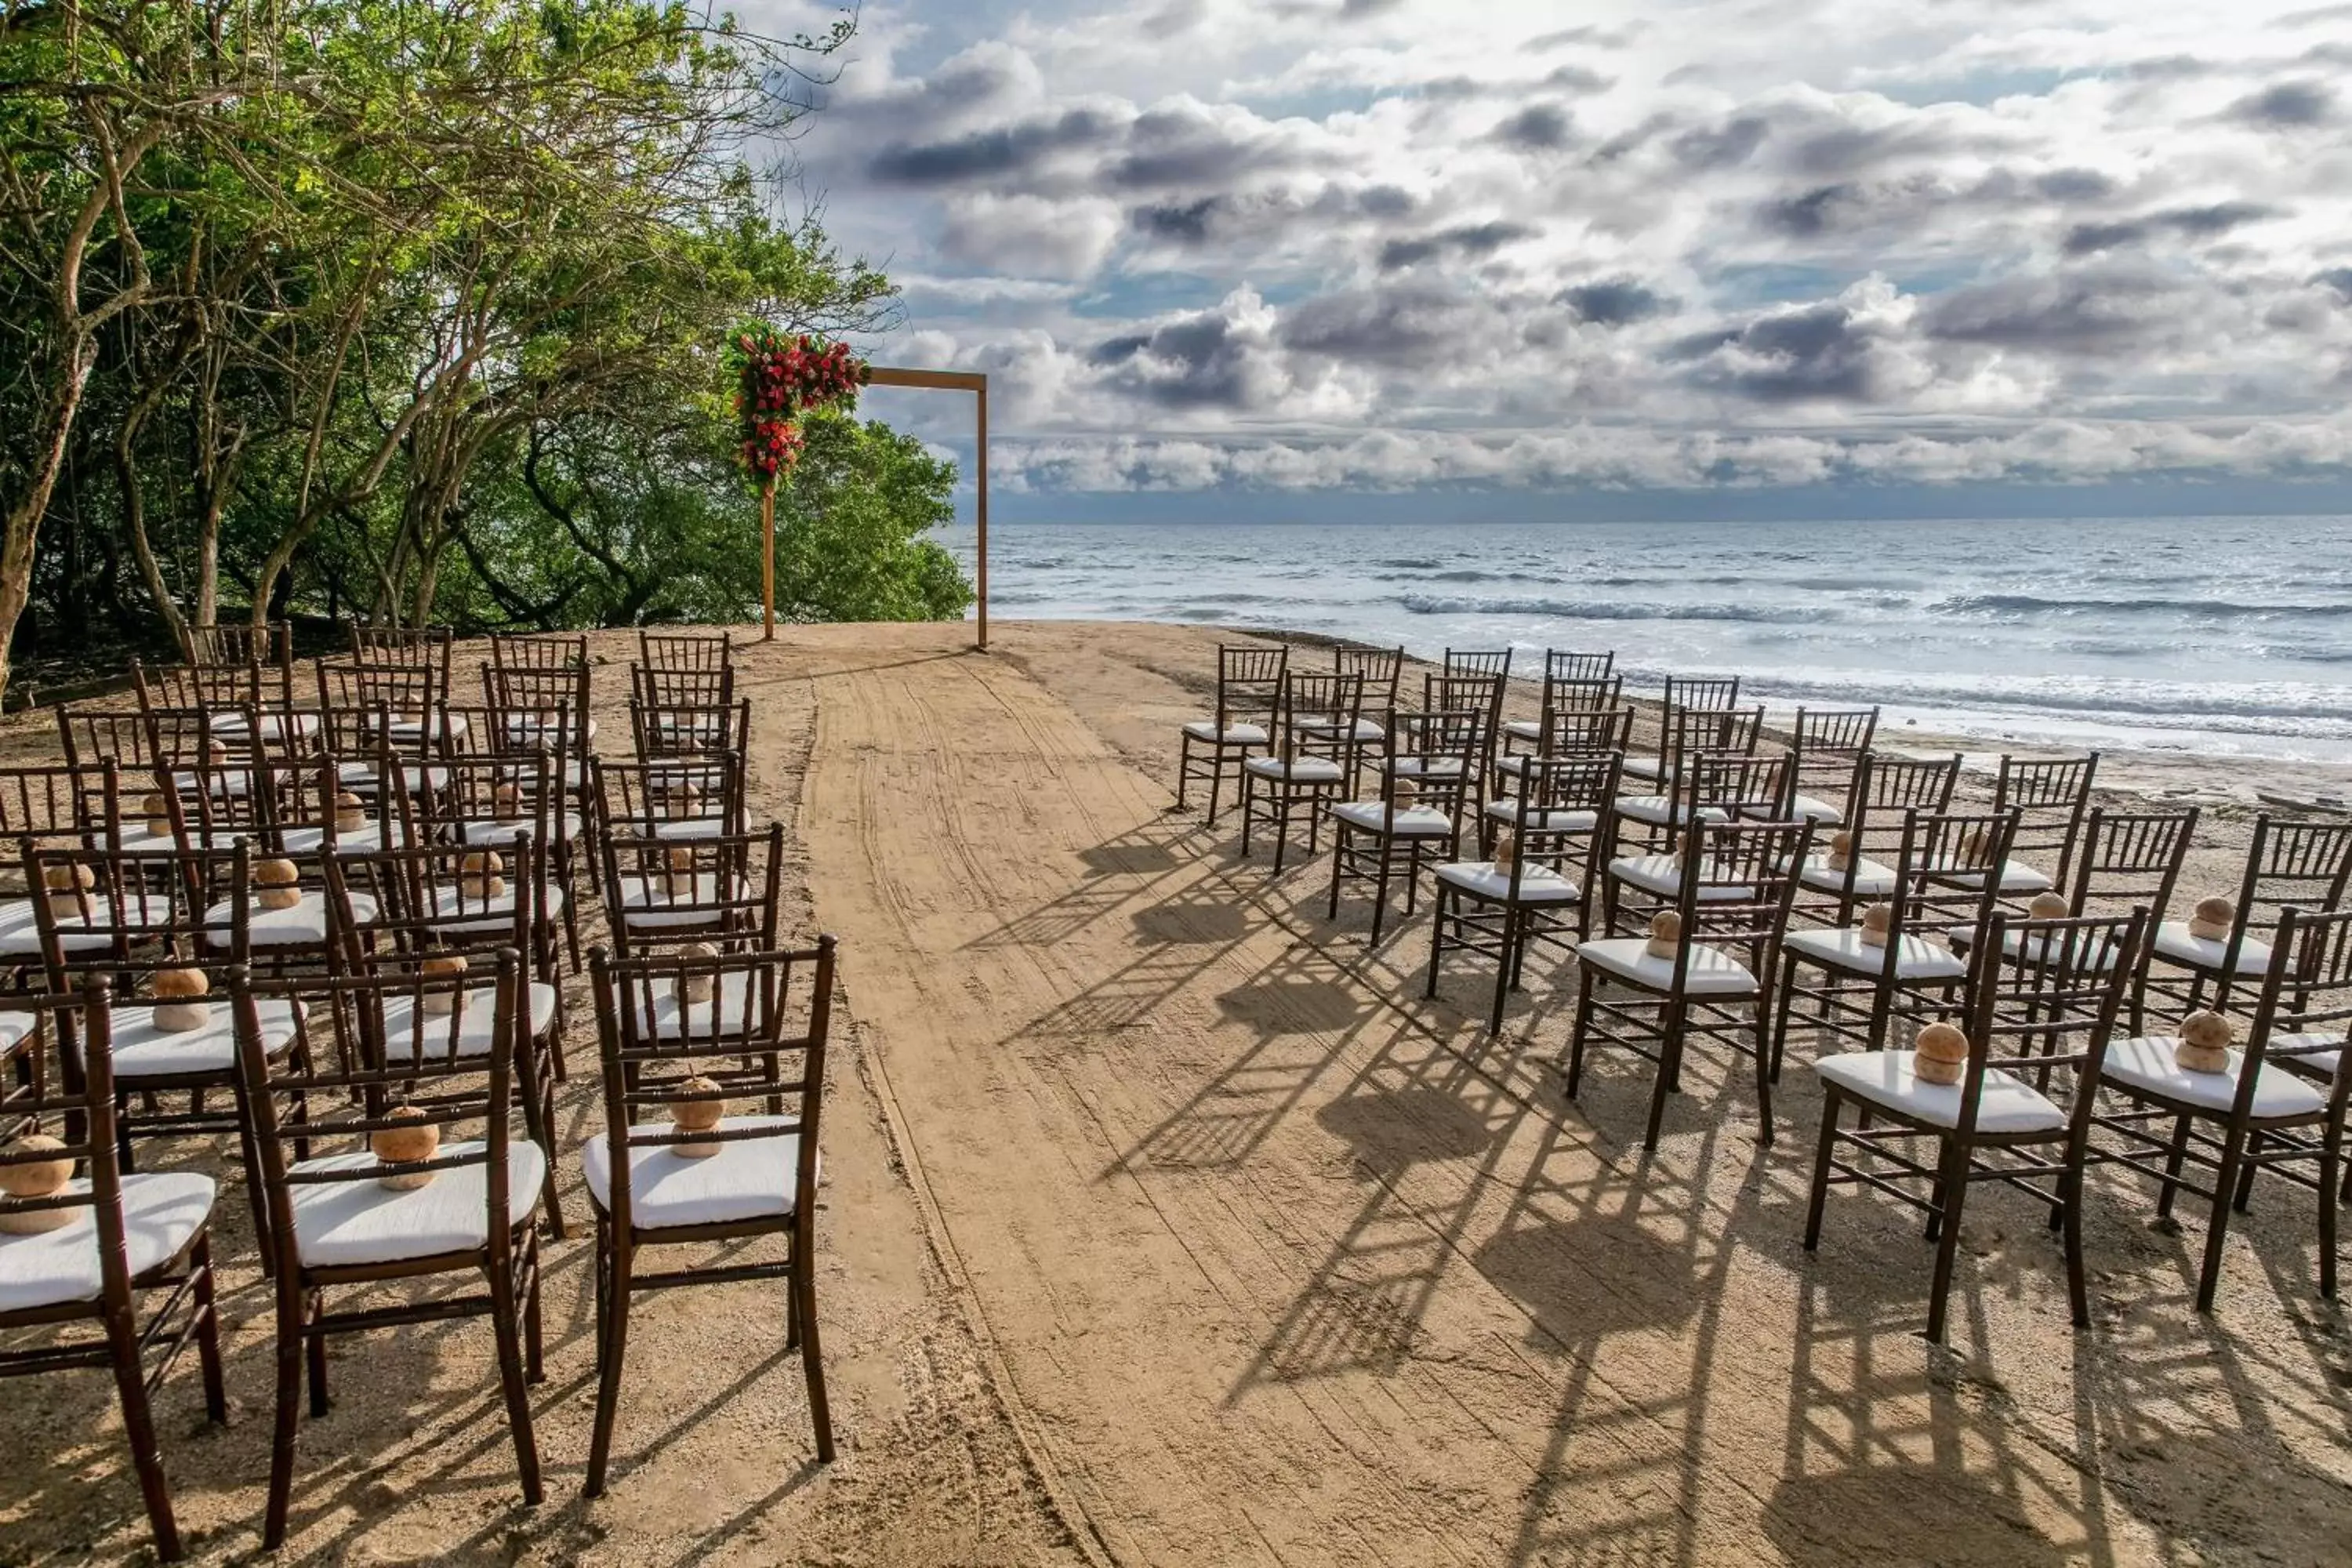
(1168,1223)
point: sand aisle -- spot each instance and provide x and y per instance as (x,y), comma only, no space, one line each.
(1274,1275)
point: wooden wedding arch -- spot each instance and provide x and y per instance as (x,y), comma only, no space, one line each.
(939,381)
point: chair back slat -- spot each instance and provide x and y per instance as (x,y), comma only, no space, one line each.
(685,650)
(74,1105)
(665,893)
(2043,995)
(2051,796)
(2130,858)
(1562,665)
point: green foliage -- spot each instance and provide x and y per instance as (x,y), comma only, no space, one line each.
(412,312)
(853,529)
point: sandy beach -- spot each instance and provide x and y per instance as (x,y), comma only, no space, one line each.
(1167,1223)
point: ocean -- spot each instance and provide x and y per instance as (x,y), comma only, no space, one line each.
(2223,635)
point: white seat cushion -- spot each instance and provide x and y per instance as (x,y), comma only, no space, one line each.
(143,1051)
(2321,1063)
(1889,1079)
(415,778)
(1483,878)
(162,1212)
(2147,1064)
(1872,879)
(274,726)
(414,726)
(303,925)
(407,1032)
(1844,949)
(1234,735)
(337,1223)
(2040,950)
(662,1021)
(1412,822)
(1507,811)
(1813,808)
(2175,945)
(1713,972)
(1300,769)
(1426,767)
(2016,877)
(507,830)
(14,1030)
(306,842)
(527,728)
(675,828)
(1659,809)
(645,899)
(20,930)
(749,1178)
(1524,729)
(1643,768)
(1662,875)
(462,911)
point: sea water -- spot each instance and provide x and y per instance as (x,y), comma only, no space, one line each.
(2226,634)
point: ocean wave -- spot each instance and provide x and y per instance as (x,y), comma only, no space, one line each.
(1603,610)
(2037,604)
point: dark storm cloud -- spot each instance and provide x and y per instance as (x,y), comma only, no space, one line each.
(2339,279)
(1819,353)
(1407,324)
(1595,36)
(2196,223)
(1612,302)
(1538,127)
(1196,361)
(2075,185)
(1578,78)
(1723,146)
(1185,147)
(991,155)
(1188,223)
(2099,311)
(1814,213)
(1476,241)
(2288,105)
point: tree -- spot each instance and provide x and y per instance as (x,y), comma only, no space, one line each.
(853,529)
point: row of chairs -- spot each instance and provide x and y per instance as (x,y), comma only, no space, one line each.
(430,1001)
(1739,894)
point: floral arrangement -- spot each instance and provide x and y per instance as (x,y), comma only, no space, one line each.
(779,378)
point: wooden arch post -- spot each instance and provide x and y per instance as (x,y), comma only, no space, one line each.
(939,381)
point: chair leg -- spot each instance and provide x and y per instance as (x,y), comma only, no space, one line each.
(534,1335)
(1763,1070)
(1338,864)
(1823,1150)
(138,1423)
(1670,1064)
(2331,1154)
(1184,766)
(1585,982)
(2217,1229)
(812,1361)
(1437,902)
(207,1326)
(1503,969)
(609,1353)
(1379,882)
(288,1415)
(506,1315)
(315,1352)
(2172,1159)
(2246,1177)
(2070,1187)
(1248,787)
(1954,1188)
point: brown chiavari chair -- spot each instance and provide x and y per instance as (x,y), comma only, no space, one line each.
(2305,865)
(1249,688)
(687,730)
(2264,1112)
(538,650)
(1656,815)
(1301,772)
(1383,672)
(319,814)
(1886,790)
(485,804)
(1439,752)
(2050,797)
(1731,908)
(691,688)
(2041,994)
(1557,826)
(540,705)
(429,648)
(205,789)
(690,889)
(1563,731)
(685,650)
(138,922)
(336,1221)
(1691,694)
(1709,787)
(1826,748)
(67,806)
(270,645)
(670,797)
(1495,666)
(1570,693)
(87,736)
(757,1036)
(2126,859)
(434,907)
(125,1239)
(414,698)
(1911,975)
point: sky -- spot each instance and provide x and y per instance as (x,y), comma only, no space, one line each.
(1998,254)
